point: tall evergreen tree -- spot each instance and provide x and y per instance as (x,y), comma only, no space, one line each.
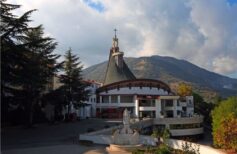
(28,62)
(41,68)
(13,59)
(73,84)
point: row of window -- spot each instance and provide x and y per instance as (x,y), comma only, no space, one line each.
(130,87)
(114,99)
(185,126)
(179,126)
(170,103)
(147,102)
(142,102)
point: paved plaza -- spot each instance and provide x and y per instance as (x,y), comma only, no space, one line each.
(44,138)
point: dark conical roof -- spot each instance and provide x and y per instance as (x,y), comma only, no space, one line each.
(115,73)
(117,69)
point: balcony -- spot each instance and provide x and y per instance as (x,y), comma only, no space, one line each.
(179,120)
(147,108)
(184,132)
(130,104)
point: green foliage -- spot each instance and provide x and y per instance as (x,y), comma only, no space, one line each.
(202,107)
(224,124)
(161,149)
(157,133)
(73,85)
(166,134)
(28,63)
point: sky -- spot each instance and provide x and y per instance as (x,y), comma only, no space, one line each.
(203,32)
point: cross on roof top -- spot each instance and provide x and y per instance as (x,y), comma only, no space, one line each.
(115,32)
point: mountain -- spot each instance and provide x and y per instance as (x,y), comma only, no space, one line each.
(172,71)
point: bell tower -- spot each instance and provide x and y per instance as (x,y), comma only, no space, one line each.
(118,55)
(117,70)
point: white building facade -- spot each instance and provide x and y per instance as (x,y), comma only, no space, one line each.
(144,98)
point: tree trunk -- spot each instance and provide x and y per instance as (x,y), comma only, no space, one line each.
(31,112)
(68,110)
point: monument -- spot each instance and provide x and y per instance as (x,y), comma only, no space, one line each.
(125,138)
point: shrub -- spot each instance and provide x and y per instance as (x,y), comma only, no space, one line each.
(224,124)
(188,148)
(226,134)
(163,149)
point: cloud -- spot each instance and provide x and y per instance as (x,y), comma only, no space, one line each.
(225,64)
(202,32)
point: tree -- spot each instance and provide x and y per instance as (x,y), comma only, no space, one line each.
(224,118)
(184,90)
(202,107)
(13,51)
(41,67)
(13,29)
(28,61)
(73,84)
(226,133)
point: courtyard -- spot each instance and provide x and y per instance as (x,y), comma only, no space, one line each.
(44,138)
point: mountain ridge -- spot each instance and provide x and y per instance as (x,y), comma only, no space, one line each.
(171,71)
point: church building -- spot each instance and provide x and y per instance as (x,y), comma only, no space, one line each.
(143,98)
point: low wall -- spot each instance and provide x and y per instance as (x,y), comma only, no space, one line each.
(183,132)
(107,139)
(104,136)
(148,140)
(181,120)
(142,124)
(97,139)
(203,149)
(105,131)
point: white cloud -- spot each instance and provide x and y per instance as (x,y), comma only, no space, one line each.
(202,32)
(224,64)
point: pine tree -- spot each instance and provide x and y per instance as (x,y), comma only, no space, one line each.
(28,62)
(13,29)
(41,68)
(73,84)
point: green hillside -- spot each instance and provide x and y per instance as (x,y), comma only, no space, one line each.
(173,71)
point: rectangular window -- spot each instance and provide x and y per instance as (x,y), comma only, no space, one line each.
(169,114)
(169,103)
(114,99)
(147,102)
(185,126)
(126,99)
(105,99)
(147,114)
